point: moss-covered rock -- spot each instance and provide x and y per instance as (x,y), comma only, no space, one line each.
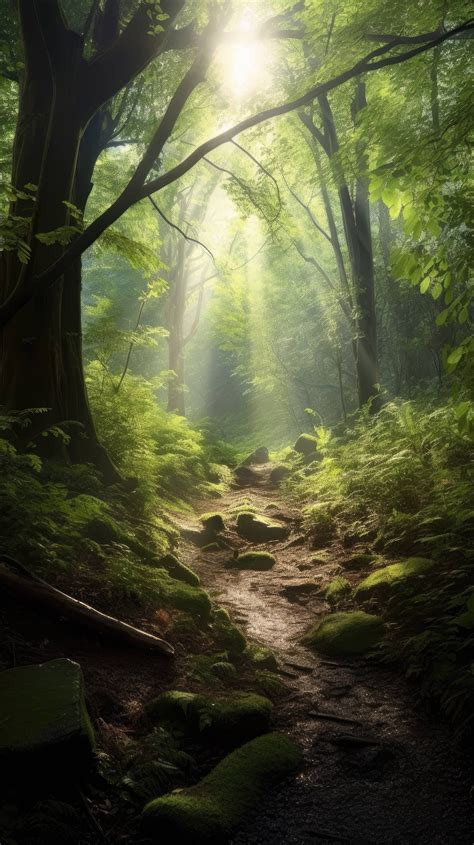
(262,657)
(336,590)
(226,633)
(306,445)
(210,812)
(259,529)
(359,561)
(279,473)
(244,476)
(174,593)
(178,570)
(258,561)
(43,717)
(259,456)
(227,721)
(213,521)
(391,577)
(224,670)
(346,633)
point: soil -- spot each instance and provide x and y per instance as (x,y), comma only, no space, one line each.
(377,769)
(391,773)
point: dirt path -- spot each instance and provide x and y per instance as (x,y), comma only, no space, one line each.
(404,781)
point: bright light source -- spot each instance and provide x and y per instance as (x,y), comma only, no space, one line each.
(245,65)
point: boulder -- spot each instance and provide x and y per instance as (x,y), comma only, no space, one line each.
(178,570)
(383,581)
(43,719)
(257,561)
(259,529)
(210,812)
(306,445)
(226,633)
(279,473)
(213,522)
(346,633)
(226,721)
(245,477)
(259,456)
(199,537)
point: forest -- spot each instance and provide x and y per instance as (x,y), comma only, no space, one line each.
(236,422)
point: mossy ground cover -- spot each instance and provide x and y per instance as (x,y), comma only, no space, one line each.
(210,812)
(397,575)
(336,590)
(346,633)
(228,721)
(258,561)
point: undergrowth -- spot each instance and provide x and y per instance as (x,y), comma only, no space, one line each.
(402,484)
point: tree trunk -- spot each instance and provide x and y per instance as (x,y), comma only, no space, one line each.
(177,307)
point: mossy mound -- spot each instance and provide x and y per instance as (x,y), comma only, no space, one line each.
(346,633)
(359,561)
(224,670)
(306,445)
(279,473)
(182,596)
(226,721)
(210,812)
(391,577)
(336,590)
(213,521)
(257,561)
(178,570)
(44,717)
(226,633)
(259,529)
(262,657)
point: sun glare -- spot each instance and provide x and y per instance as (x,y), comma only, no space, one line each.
(246,66)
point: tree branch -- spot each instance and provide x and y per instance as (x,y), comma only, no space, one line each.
(178,229)
(136,191)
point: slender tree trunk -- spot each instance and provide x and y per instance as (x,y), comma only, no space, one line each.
(177,307)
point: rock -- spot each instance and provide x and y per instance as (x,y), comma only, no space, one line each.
(306,445)
(226,721)
(224,670)
(199,537)
(226,633)
(259,456)
(336,590)
(346,633)
(245,477)
(262,657)
(279,473)
(44,721)
(359,561)
(384,580)
(293,592)
(213,522)
(210,812)
(258,561)
(259,529)
(178,570)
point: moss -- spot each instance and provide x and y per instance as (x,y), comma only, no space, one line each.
(184,597)
(209,812)
(259,561)
(346,633)
(228,635)
(393,576)
(43,711)
(337,589)
(227,721)
(270,684)
(262,657)
(178,570)
(213,521)
(224,670)
(306,444)
(211,547)
(258,528)
(359,561)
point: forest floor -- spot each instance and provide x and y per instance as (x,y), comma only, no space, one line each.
(390,773)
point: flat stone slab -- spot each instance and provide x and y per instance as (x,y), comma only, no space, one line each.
(43,711)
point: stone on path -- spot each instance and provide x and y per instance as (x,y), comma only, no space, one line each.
(44,719)
(346,633)
(259,529)
(259,456)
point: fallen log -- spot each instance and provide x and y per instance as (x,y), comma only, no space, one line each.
(17,580)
